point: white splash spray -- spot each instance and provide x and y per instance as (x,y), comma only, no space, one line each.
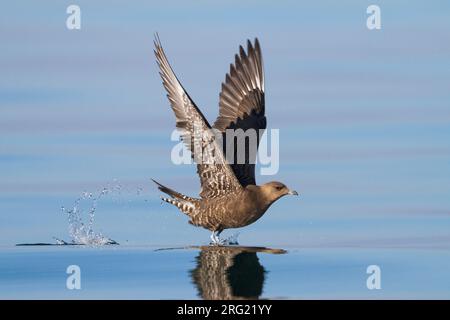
(83,233)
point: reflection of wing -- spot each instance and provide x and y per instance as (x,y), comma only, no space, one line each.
(216,176)
(228,273)
(241,105)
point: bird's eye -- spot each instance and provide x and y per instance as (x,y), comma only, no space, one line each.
(279,188)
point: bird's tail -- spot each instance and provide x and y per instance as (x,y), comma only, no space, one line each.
(184,203)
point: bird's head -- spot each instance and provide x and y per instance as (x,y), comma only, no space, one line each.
(274,190)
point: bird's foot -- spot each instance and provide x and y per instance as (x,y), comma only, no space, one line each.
(220,242)
(215,239)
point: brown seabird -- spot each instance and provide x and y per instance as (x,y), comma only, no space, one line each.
(229,196)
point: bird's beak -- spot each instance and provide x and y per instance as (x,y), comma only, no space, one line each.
(293,193)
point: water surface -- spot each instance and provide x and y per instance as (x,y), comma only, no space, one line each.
(216,273)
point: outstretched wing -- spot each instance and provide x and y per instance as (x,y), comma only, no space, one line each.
(216,176)
(241,106)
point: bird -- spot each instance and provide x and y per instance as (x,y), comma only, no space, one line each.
(229,196)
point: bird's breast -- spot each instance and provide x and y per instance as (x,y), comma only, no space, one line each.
(231,211)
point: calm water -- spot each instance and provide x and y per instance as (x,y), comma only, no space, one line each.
(364,119)
(211,273)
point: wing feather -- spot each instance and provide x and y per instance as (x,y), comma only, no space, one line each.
(216,176)
(242,106)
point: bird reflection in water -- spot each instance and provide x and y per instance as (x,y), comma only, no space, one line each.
(227,272)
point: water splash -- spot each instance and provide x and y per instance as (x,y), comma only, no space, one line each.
(232,240)
(83,233)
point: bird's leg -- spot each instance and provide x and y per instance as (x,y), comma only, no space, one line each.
(215,240)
